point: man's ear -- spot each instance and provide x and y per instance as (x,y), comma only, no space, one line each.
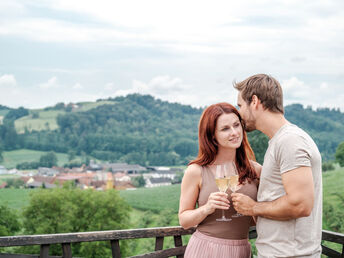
(255,101)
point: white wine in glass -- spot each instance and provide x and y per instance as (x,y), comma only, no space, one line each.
(233,182)
(222,181)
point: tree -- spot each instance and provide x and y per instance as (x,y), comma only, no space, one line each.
(71,155)
(74,210)
(9,221)
(340,154)
(48,160)
(138,181)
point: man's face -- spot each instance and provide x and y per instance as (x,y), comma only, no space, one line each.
(246,114)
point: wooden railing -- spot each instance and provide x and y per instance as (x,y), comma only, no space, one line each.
(115,235)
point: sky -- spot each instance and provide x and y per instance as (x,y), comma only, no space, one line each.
(181,51)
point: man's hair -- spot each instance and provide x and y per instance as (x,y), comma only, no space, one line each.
(266,88)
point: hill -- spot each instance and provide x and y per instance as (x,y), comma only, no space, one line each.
(142,129)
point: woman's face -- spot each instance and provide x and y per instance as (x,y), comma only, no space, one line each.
(228,131)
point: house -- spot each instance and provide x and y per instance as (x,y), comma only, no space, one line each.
(38,181)
(3,170)
(154,182)
(124,167)
(48,171)
(120,176)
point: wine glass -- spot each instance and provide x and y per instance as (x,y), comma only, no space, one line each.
(233,182)
(222,180)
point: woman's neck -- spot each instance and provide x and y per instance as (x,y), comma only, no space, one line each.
(224,155)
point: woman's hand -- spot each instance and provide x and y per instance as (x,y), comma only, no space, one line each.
(217,200)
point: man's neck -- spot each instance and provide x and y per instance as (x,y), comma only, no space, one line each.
(269,123)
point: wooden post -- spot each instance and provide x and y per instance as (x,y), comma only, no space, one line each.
(116,251)
(178,242)
(66,250)
(44,251)
(159,243)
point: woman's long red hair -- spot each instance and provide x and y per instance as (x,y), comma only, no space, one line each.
(208,148)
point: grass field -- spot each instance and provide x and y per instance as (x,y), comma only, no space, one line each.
(46,120)
(15,198)
(154,199)
(12,158)
(85,106)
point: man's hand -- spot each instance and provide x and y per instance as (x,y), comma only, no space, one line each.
(243,204)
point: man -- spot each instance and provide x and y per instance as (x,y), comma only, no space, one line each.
(289,201)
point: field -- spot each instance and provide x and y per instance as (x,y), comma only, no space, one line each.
(154,199)
(15,198)
(46,120)
(157,207)
(12,158)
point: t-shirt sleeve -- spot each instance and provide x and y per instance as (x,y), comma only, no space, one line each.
(292,152)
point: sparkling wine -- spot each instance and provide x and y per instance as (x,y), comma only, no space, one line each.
(222,183)
(233,182)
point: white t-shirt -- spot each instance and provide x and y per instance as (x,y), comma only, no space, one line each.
(288,149)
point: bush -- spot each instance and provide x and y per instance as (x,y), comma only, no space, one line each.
(74,210)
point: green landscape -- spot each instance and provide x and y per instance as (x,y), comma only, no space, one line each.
(136,129)
(149,211)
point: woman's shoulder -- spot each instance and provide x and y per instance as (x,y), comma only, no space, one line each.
(257,167)
(193,170)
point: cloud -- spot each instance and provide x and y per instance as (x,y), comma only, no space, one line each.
(77,86)
(109,86)
(51,83)
(7,80)
(317,94)
(174,89)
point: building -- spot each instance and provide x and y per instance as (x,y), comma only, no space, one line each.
(154,182)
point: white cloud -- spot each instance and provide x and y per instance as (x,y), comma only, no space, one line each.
(109,86)
(175,89)
(7,80)
(77,86)
(51,83)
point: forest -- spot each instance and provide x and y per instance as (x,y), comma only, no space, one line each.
(144,130)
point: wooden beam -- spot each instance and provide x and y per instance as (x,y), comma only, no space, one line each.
(329,252)
(93,236)
(163,253)
(44,251)
(159,243)
(116,249)
(178,242)
(66,250)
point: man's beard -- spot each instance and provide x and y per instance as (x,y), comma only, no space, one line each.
(250,124)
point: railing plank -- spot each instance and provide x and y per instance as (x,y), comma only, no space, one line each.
(329,252)
(333,237)
(66,250)
(93,236)
(44,251)
(159,243)
(163,253)
(116,251)
(178,242)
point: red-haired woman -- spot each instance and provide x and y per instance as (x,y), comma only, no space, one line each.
(222,139)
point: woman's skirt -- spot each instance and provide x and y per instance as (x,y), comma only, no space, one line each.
(203,246)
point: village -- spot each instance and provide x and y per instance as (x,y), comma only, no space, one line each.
(119,176)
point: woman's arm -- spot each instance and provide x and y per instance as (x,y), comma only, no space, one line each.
(188,215)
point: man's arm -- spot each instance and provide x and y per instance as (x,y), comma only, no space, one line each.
(297,202)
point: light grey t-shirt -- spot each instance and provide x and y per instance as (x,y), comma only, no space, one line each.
(288,149)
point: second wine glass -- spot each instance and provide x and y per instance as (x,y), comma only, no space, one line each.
(233,182)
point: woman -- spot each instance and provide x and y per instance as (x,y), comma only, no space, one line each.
(222,139)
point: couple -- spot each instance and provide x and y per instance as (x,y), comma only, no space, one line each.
(284,194)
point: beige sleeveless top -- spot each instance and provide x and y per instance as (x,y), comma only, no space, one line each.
(238,227)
